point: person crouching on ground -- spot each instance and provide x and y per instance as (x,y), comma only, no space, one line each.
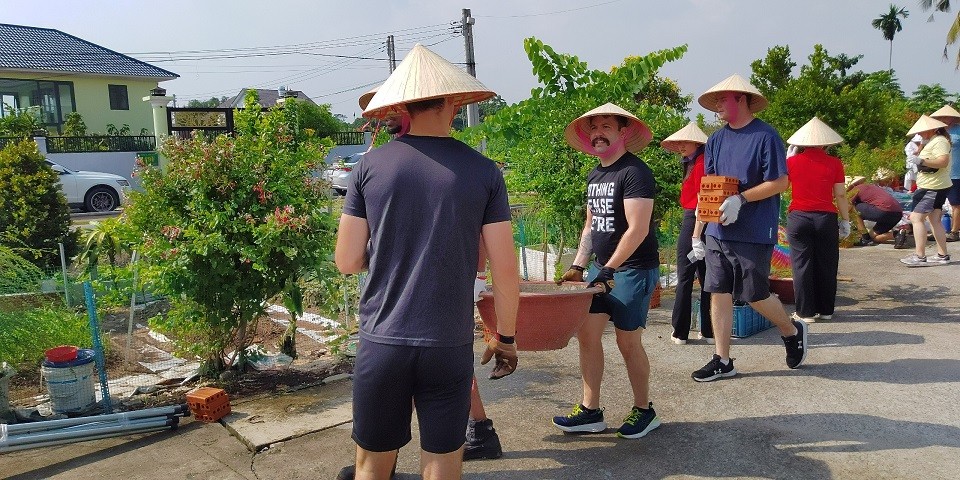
(933,183)
(619,231)
(688,142)
(876,205)
(812,229)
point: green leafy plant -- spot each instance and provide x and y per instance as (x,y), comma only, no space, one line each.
(74,126)
(230,224)
(25,335)
(20,123)
(16,274)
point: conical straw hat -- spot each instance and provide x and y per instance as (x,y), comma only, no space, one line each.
(946,111)
(638,134)
(366,97)
(815,133)
(925,124)
(733,83)
(850,182)
(424,75)
(690,133)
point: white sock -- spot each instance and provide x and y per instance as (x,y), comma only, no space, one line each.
(725,361)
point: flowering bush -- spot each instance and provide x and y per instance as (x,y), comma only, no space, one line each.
(233,222)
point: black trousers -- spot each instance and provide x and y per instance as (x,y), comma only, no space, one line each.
(686,272)
(815,255)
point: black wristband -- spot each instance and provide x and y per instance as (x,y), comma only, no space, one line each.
(576,267)
(505,339)
(743,199)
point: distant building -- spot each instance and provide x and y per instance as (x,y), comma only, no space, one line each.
(268,98)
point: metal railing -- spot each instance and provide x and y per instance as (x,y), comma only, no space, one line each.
(137,143)
(4,141)
(346,138)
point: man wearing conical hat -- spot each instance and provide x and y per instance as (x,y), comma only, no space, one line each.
(818,217)
(951,117)
(619,231)
(738,249)
(396,124)
(413,218)
(689,142)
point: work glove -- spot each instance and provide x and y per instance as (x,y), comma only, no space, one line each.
(479,286)
(506,355)
(573,274)
(730,208)
(791,150)
(697,250)
(915,159)
(604,279)
(844,229)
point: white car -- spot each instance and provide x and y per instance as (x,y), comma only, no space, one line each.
(91,191)
(338,173)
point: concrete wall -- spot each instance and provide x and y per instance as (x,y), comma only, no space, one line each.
(346,150)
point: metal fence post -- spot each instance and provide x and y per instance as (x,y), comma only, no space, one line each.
(66,279)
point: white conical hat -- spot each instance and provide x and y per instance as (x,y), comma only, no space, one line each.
(424,75)
(925,124)
(815,133)
(946,111)
(690,133)
(638,133)
(366,97)
(733,83)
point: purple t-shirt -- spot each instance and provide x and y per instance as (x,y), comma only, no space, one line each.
(607,187)
(754,154)
(425,200)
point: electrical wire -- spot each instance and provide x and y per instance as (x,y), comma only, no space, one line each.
(548,13)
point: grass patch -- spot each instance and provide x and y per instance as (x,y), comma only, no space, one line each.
(26,334)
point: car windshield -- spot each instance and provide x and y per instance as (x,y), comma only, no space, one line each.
(65,169)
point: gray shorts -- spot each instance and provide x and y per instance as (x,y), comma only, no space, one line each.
(926,201)
(739,268)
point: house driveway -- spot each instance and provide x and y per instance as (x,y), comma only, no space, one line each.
(877,398)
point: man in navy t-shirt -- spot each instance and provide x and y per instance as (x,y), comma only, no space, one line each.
(413,217)
(619,231)
(738,249)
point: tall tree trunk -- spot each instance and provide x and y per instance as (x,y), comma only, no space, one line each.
(890,62)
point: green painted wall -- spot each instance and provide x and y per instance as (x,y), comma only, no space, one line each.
(93,100)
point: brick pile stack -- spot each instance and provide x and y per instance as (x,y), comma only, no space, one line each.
(714,189)
(208,404)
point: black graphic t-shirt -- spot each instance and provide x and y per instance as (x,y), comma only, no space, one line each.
(607,187)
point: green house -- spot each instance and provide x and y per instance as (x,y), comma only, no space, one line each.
(61,73)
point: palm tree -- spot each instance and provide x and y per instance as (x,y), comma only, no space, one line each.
(953,34)
(889,24)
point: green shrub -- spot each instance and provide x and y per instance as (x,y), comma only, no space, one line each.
(25,335)
(34,216)
(16,274)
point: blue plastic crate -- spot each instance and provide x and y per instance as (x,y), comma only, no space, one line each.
(746,320)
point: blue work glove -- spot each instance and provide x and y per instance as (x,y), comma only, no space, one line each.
(604,279)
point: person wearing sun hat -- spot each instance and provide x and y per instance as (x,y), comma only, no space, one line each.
(933,184)
(619,231)
(951,117)
(875,205)
(911,149)
(416,307)
(813,232)
(688,142)
(396,124)
(739,247)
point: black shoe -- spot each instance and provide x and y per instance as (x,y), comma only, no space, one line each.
(348,472)
(796,345)
(953,236)
(866,242)
(581,420)
(714,369)
(482,441)
(900,239)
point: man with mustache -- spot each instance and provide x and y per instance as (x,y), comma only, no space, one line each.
(619,230)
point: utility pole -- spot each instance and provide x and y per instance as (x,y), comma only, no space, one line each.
(391,53)
(473,111)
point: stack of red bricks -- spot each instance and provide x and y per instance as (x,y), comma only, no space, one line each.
(714,189)
(208,404)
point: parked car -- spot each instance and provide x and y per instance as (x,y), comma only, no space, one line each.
(338,173)
(91,191)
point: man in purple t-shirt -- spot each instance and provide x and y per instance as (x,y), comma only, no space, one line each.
(738,249)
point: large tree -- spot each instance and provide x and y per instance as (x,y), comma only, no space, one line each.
(953,33)
(889,24)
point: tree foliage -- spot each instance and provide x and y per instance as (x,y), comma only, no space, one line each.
(929,98)
(953,33)
(889,25)
(529,135)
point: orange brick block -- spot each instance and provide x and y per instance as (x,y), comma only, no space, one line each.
(208,404)
(708,212)
(717,198)
(717,184)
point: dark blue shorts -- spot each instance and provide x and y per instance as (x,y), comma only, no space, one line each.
(390,380)
(739,268)
(629,301)
(954,194)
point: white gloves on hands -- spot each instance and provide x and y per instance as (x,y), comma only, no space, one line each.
(479,285)
(791,150)
(844,229)
(730,209)
(915,159)
(697,250)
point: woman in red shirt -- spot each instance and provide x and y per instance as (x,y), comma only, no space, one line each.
(813,230)
(689,142)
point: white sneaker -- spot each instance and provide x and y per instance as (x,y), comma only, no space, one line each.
(678,341)
(803,319)
(709,340)
(825,317)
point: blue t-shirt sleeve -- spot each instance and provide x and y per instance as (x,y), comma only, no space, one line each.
(709,163)
(638,183)
(354,205)
(498,206)
(773,158)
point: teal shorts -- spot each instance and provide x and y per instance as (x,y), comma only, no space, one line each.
(629,301)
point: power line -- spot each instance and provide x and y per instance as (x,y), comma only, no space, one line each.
(548,13)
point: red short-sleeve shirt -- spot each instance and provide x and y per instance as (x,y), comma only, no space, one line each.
(813,174)
(691,185)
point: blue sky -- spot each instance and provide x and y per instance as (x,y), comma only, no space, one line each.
(723,36)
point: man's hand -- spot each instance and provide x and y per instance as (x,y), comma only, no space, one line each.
(730,208)
(604,279)
(479,285)
(573,274)
(697,250)
(844,229)
(506,354)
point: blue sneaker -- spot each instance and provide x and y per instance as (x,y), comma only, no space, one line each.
(581,420)
(639,422)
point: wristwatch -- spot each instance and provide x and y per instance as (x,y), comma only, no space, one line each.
(505,339)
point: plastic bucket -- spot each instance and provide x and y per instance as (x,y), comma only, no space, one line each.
(945,219)
(71,384)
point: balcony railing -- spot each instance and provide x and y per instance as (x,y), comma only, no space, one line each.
(347,138)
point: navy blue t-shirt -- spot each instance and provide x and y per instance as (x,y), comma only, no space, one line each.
(607,187)
(754,154)
(425,200)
